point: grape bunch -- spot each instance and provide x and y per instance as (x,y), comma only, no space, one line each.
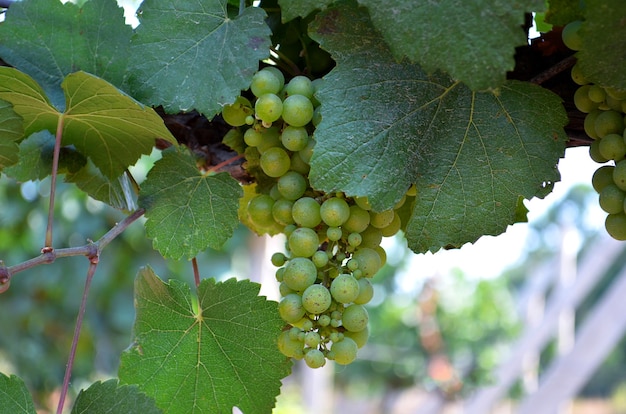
(604,123)
(332,247)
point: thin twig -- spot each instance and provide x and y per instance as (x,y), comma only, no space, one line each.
(55,170)
(554,70)
(93,264)
(196,272)
(216,168)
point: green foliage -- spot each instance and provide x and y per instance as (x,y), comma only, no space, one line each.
(110,398)
(14,396)
(207,353)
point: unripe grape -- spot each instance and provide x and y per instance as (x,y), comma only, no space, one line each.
(577,75)
(306,212)
(300,273)
(260,210)
(393,227)
(366,292)
(371,237)
(344,351)
(297,110)
(289,347)
(278,259)
(265,81)
(236,113)
(275,162)
(355,239)
(290,308)
(303,242)
(320,258)
(335,211)
(323,320)
(315,358)
(270,139)
(368,259)
(590,123)
(279,75)
(334,233)
(571,35)
(358,220)
(602,177)
(594,152)
(611,199)
(360,337)
(619,175)
(298,165)
(344,288)
(363,202)
(354,318)
(316,299)
(312,339)
(615,225)
(292,185)
(300,85)
(306,153)
(609,122)
(294,138)
(281,211)
(268,108)
(597,94)
(582,101)
(612,146)
(381,219)
(252,137)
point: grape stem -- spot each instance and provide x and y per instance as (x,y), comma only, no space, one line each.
(196,272)
(292,68)
(55,169)
(554,70)
(216,168)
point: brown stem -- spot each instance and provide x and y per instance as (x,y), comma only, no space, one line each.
(217,167)
(196,272)
(53,182)
(93,264)
(554,70)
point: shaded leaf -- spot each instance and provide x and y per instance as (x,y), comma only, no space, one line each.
(118,192)
(473,41)
(10,133)
(290,9)
(205,354)
(49,40)
(110,398)
(386,125)
(14,397)
(562,12)
(188,211)
(603,33)
(208,61)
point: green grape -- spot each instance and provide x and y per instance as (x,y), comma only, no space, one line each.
(279,273)
(336,336)
(358,221)
(316,299)
(597,94)
(344,288)
(320,258)
(275,162)
(303,242)
(335,211)
(271,139)
(371,237)
(252,137)
(312,339)
(294,333)
(274,193)
(611,199)
(354,239)
(289,347)
(281,211)
(290,308)
(571,35)
(363,202)
(334,233)
(354,318)
(305,324)
(283,289)
(292,185)
(300,85)
(368,259)
(297,110)
(268,108)
(294,138)
(279,75)
(382,253)
(236,113)
(412,191)
(317,116)
(278,259)
(366,292)
(307,153)
(352,264)
(612,146)
(393,227)
(323,320)
(264,82)
(298,165)
(582,101)
(613,104)
(300,273)
(615,225)
(400,203)
(315,358)
(602,177)
(590,123)
(360,337)
(260,210)
(609,122)
(382,219)
(306,212)
(619,175)
(577,75)
(594,152)
(345,351)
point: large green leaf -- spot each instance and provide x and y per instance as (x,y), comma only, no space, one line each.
(10,133)
(386,125)
(205,354)
(188,211)
(290,9)
(561,12)
(14,397)
(473,41)
(111,398)
(193,55)
(49,40)
(602,58)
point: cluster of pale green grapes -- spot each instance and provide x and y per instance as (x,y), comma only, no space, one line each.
(605,123)
(333,241)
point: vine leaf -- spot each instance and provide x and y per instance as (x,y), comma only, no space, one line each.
(386,125)
(10,133)
(603,32)
(110,398)
(188,211)
(14,397)
(206,64)
(290,9)
(49,40)
(205,354)
(473,41)
(101,122)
